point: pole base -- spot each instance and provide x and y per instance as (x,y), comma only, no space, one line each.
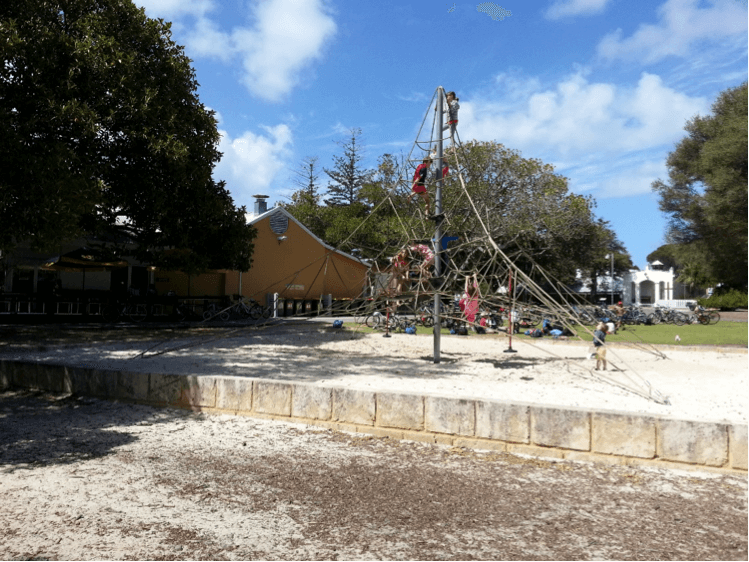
(510,350)
(386,336)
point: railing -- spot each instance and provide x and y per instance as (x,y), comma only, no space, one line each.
(677,303)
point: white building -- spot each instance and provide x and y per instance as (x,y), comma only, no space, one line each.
(654,285)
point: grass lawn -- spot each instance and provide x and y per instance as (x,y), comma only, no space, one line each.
(722,333)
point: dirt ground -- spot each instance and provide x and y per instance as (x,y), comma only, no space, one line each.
(88,479)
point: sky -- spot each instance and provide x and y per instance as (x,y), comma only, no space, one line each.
(600,89)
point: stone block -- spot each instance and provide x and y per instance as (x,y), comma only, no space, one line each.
(272,398)
(479,444)
(693,442)
(22,374)
(132,386)
(78,380)
(419,436)
(559,427)
(4,378)
(503,421)
(102,383)
(450,415)
(311,402)
(50,377)
(404,411)
(234,393)
(182,391)
(164,389)
(622,434)
(198,392)
(381,432)
(353,406)
(737,439)
(533,451)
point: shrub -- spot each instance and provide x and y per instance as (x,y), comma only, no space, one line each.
(726,300)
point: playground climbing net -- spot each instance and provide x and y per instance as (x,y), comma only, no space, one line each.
(420,265)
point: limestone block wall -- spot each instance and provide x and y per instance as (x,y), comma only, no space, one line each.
(544,431)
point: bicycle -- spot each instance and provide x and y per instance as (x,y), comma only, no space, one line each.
(705,317)
(378,321)
(213,311)
(136,312)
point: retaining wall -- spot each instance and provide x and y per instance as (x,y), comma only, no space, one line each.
(532,429)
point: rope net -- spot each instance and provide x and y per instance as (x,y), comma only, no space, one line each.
(401,281)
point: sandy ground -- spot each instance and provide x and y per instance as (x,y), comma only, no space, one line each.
(699,385)
(85,479)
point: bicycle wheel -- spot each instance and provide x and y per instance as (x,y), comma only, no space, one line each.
(209,314)
(111,313)
(713,317)
(224,315)
(373,320)
(182,313)
(680,319)
(266,312)
(137,312)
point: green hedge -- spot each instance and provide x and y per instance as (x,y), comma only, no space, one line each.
(726,301)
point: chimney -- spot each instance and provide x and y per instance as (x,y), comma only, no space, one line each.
(261,206)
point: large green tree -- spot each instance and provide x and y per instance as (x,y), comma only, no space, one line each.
(101,129)
(525,206)
(705,195)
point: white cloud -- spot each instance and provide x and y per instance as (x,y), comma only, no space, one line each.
(627,177)
(251,162)
(682,25)
(208,40)
(579,117)
(287,36)
(565,8)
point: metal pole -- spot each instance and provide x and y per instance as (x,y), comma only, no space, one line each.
(437,242)
(511,323)
(612,278)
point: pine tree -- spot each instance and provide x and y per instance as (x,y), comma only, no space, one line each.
(347,176)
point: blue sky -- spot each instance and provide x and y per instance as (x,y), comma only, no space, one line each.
(601,89)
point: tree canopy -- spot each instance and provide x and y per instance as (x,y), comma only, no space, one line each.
(101,129)
(706,192)
(524,205)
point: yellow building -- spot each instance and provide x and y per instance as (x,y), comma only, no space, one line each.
(288,260)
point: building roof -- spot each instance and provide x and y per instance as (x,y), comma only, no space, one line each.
(269,212)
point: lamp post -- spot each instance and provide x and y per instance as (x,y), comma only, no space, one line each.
(611,254)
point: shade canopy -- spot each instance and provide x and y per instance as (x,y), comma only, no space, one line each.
(85,259)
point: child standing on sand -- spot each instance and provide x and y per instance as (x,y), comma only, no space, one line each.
(599,343)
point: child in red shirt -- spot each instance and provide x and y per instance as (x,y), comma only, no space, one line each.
(419,186)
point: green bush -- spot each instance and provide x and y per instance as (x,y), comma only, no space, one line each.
(727,300)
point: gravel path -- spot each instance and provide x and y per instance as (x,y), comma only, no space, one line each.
(88,479)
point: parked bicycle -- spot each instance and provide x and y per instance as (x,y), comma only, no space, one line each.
(704,317)
(135,312)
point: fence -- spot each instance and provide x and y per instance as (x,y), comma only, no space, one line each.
(678,303)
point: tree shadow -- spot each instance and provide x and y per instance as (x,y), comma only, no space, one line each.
(40,429)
